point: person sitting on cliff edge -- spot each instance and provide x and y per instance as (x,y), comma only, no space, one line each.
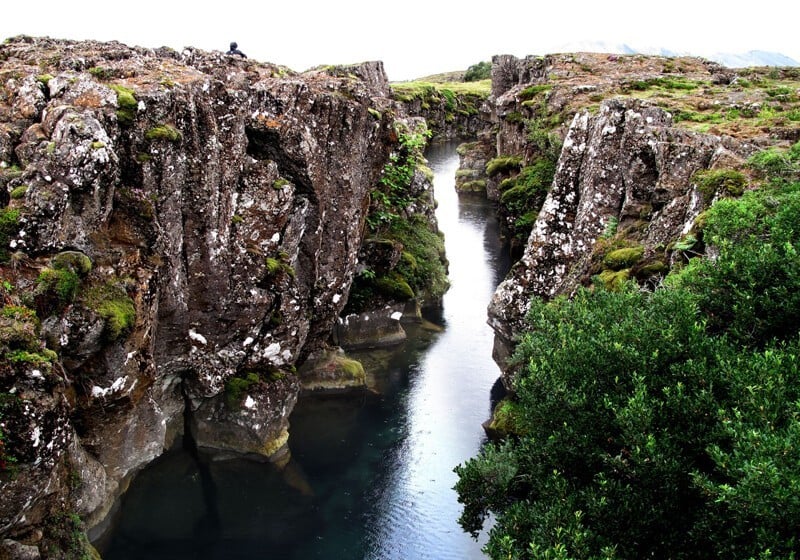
(235,50)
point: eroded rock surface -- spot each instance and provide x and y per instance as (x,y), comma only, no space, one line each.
(627,166)
(221,200)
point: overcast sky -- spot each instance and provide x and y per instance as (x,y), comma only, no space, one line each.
(412,37)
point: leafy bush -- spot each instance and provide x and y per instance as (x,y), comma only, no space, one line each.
(480,71)
(752,290)
(620,443)
(659,424)
(778,165)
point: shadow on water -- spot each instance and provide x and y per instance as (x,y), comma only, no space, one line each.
(371,476)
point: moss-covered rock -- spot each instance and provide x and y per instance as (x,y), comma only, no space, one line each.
(112,303)
(614,279)
(724,182)
(623,258)
(506,420)
(165,132)
(75,261)
(655,268)
(330,370)
(503,164)
(127,105)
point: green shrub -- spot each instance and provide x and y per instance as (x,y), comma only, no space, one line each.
(778,165)
(480,71)
(659,424)
(752,290)
(615,417)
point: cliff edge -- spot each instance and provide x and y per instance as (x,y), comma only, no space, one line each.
(180,230)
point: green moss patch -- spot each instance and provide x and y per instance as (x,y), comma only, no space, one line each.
(614,280)
(503,164)
(394,287)
(112,303)
(165,132)
(507,419)
(19,192)
(711,182)
(72,260)
(9,223)
(351,368)
(59,284)
(237,387)
(127,105)
(623,258)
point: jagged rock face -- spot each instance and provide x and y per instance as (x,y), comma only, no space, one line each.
(229,199)
(473,157)
(627,163)
(509,71)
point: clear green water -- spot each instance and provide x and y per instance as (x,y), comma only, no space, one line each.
(371,476)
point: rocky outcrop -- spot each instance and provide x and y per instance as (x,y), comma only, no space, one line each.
(449,114)
(220,205)
(473,156)
(626,168)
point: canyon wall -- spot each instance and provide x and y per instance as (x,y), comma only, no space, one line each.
(186,228)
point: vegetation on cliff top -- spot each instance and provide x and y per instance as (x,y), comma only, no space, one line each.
(758,104)
(660,423)
(452,100)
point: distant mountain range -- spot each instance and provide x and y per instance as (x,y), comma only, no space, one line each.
(731,60)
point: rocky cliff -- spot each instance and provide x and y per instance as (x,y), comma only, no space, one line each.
(624,176)
(602,164)
(181,229)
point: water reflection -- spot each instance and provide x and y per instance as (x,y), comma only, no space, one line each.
(371,476)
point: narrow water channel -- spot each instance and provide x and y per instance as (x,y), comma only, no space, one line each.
(371,476)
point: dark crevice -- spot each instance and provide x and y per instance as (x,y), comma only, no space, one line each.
(265,144)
